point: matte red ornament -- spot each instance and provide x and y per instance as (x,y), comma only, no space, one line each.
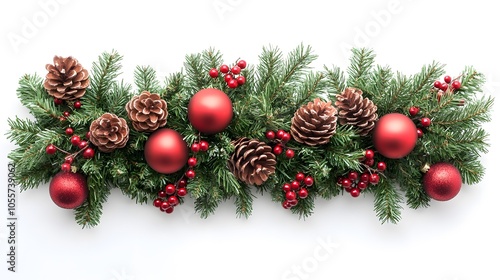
(68,190)
(165,151)
(395,135)
(442,181)
(210,111)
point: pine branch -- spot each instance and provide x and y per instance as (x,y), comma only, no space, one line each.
(335,80)
(89,214)
(104,72)
(145,79)
(387,202)
(244,201)
(361,65)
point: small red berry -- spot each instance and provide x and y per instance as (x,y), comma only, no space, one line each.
(437,84)
(58,101)
(370,162)
(362,185)
(69,159)
(286,204)
(414,110)
(77,104)
(295,185)
(236,70)
(169,210)
(242,64)
(213,73)
(286,137)
(300,176)
(290,195)
(447,79)
(162,194)
(444,87)
(75,140)
(289,154)
(65,167)
(66,114)
(346,183)
(308,181)
(420,133)
(369,154)
(456,84)
(88,153)
(170,189)
(51,149)
(270,135)
(182,183)
(164,205)
(353,175)
(293,202)
(195,147)
(192,161)
(69,131)
(204,146)
(190,174)
(280,133)
(224,69)
(83,144)
(381,166)
(87,135)
(173,200)
(241,80)
(157,202)
(181,192)
(426,122)
(233,83)
(278,149)
(228,77)
(355,192)
(365,177)
(286,187)
(303,193)
(374,179)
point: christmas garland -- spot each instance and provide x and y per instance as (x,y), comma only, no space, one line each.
(217,131)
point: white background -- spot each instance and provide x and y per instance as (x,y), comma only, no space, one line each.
(455,240)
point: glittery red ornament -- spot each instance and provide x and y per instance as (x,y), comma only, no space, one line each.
(395,135)
(442,181)
(165,151)
(210,111)
(68,190)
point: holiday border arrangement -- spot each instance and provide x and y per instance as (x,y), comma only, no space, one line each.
(218,131)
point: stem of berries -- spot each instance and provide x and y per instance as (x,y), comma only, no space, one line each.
(296,190)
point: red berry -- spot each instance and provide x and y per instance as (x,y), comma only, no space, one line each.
(426,122)
(224,69)
(66,167)
(169,210)
(62,118)
(241,80)
(437,84)
(289,154)
(303,193)
(87,135)
(75,140)
(182,183)
(51,149)
(295,185)
(290,195)
(353,175)
(278,149)
(374,179)
(447,79)
(157,202)
(420,133)
(280,133)
(88,153)
(242,64)
(346,183)
(456,84)
(83,144)
(414,110)
(286,204)
(286,137)
(236,70)
(69,131)
(195,147)
(162,194)
(381,166)
(286,187)
(181,192)
(300,176)
(270,135)
(355,192)
(365,177)
(369,154)
(308,181)
(77,104)
(190,174)
(213,73)
(192,161)
(164,205)
(173,200)
(204,146)
(370,162)
(69,159)
(170,189)
(293,202)
(66,114)
(233,83)
(228,77)
(362,185)
(444,87)
(58,101)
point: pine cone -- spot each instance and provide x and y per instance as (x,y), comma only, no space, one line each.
(109,132)
(147,111)
(315,123)
(252,161)
(67,79)
(356,111)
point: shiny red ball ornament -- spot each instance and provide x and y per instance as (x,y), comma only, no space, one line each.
(442,181)
(395,135)
(210,111)
(68,190)
(165,151)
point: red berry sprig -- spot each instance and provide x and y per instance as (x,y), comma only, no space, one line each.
(84,149)
(280,138)
(354,182)
(232,76)
(448,86)
(170,196)
(296,190)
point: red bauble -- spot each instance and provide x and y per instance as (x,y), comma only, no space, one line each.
(210,111)
(165,151)
(442,181)
(68,190)
(395,135)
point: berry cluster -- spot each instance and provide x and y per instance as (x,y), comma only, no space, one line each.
(84,149)
(422,122)
(280,138)
(354,182)
(76,105)
(232,76)
(297,189)
(170,196)
(448,86)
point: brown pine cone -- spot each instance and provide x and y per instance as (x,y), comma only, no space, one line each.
(356,111)
(109,132)
(147,111)
(252,161)
(315,123)
(67,79)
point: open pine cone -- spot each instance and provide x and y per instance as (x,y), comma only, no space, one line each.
(67,79)
(356,111)
(315,123)
(252,161)
(147,111)
(109,132)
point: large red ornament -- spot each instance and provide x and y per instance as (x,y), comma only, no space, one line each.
(395,135)
(442,181)
(68,190)
(165,151)
(210,111)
